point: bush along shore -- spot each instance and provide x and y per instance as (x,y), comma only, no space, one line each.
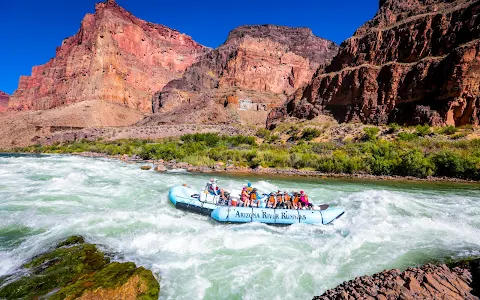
(415,155)
(75,269)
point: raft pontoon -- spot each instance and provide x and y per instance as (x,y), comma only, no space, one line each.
(188,199)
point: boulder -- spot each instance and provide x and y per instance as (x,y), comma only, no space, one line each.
(160,168)
(78,270)
(145,168)
(426,282)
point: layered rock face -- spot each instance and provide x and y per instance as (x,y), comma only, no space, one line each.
(417,61)
(114,57)
(427,282)
(256,69)
(3,101)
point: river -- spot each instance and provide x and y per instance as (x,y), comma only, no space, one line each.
(126,211)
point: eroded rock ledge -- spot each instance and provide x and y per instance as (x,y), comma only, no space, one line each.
(427,282)
(78,270)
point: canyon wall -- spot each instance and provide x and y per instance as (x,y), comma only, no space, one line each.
(255,70)
(3,101)
(114,57)
(416,61)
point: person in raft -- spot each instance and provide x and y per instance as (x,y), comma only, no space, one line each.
(249,187)
(295,200)
(272,200)
(244,197)
(279,197)
(213,189)
(287,200)
(304,201)
(252,198)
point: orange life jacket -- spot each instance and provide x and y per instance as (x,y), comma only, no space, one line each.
(271,199)
(295,199)
(253,196)
(287,198)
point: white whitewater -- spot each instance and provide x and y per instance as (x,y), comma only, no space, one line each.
(125,210)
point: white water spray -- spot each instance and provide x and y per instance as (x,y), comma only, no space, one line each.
(125,210)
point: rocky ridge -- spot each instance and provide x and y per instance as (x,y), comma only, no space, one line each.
(416,61)
(114,57)
(426,282)
(75,269)
(256,69)
(3,101)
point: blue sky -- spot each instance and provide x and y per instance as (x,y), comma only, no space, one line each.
(30,30)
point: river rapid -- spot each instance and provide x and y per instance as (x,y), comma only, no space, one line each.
(127,212)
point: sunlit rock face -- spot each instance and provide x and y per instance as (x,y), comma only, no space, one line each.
(114,57)
(256,69)
(3,101)
(416,61)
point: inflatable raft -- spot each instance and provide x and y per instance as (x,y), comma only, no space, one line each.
(186,198)
(232,214)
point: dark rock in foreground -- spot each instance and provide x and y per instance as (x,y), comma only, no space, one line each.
(427,282)
(77,270)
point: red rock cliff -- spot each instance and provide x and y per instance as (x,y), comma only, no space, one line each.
(114,57)
(417,61)
(3,101)
(258,65)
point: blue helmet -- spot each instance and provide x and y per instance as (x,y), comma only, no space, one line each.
(249,184)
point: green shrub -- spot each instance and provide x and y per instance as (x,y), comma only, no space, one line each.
(423,130)
(414,163)
(448,163)
(310,134)
(263,133)
(407,136)
(459,135)
(447,130)
(393,128)
(370,133)
(211,139)
(274,138)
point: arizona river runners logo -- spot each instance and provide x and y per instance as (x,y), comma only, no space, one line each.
(266,215)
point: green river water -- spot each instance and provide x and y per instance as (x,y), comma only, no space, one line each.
(126,211)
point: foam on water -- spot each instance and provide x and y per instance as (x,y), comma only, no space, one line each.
(126,211)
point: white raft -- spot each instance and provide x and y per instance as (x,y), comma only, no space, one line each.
(186,198)
(233,214)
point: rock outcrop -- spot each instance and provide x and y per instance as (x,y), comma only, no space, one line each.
(416,61)
(3,101)
(114,57)
(77,270)
(427,282)
(256,69)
